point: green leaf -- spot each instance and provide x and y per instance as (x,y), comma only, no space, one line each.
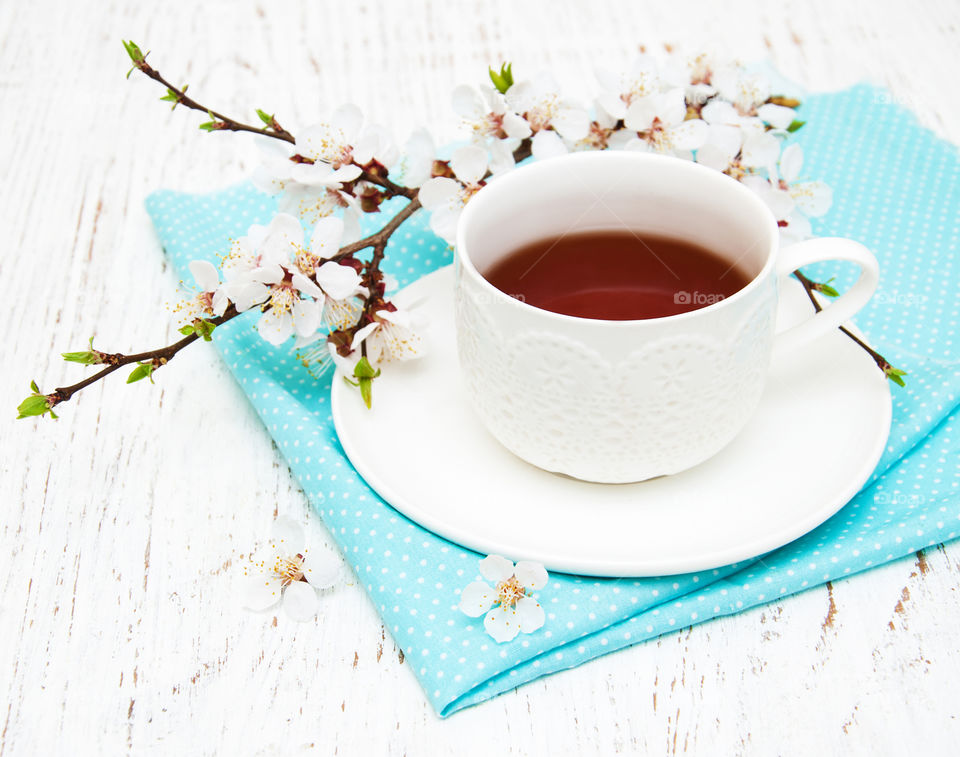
(503,79)
(365,374)
(133,51)
(366,391)
(200,327)
(212,125)
(265,117)
(828,290)
(86,357)
(135,55)
(363,369)
(35,404)
(34,387)
(795,125)
(204,329)
(895,375)
(142,371)
(174,97)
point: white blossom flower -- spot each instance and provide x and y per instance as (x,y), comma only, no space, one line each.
(619,91)
(813,198)
(695,76)
(794,228)
(501,155)
(748,94)
(662,125)
(721,112)
(286,571)
(263,268)
(212,298)
(310,204)
(484,112)
(721,148)
(310,174)
(340,284)
(790,201)
(331,154)
(289,313)
(513,607)
(745,90)
(551,119)
(308,201)
(337,149)
(445,197)
(760,150)
(778,116)
(756,147)
(392,335)
(264,250)
(776,198)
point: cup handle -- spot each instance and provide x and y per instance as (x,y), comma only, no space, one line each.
(843,307)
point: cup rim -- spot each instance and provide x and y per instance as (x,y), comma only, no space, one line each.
(524,172)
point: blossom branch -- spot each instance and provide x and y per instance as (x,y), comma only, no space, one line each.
(222,122)
(380,238)
(392,189)
(179,96)
(378,241)
(147,362)
(809,287)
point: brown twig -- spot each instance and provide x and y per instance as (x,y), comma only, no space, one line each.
(163,355)
(224,123)
(810,286)
(273,130)
(392,189)
(158,358)
(524,151)
(381,236)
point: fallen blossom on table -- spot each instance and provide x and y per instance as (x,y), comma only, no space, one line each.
(286,572)
(509,604)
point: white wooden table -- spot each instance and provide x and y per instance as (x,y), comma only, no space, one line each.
(122,524)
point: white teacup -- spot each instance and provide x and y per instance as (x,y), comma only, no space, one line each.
(621,401)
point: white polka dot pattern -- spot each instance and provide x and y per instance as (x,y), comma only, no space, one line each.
(896,190)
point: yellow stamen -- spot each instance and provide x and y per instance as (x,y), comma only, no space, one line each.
(510,592)
(289,569)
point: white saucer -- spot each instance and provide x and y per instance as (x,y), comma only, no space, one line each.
(818,434)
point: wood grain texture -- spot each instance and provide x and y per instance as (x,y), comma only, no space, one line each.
(121,525)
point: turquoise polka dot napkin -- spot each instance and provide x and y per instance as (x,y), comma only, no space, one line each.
(895,189)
